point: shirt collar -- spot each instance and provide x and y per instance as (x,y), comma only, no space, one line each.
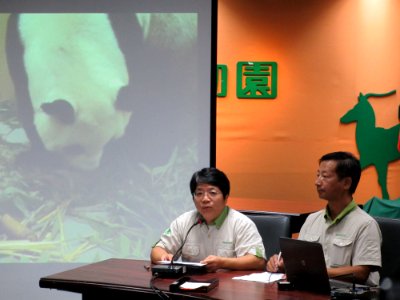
(221,218)
(352,205)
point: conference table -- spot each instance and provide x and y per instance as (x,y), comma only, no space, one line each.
(130,279)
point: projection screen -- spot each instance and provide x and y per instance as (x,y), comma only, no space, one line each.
(106,110)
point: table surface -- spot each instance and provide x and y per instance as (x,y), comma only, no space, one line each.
(133,275)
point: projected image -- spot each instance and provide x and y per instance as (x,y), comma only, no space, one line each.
(99,132)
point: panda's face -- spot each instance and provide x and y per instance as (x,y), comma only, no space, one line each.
(76,72)
(79,139)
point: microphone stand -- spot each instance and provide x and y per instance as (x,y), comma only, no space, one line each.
(179,251)
(172,270)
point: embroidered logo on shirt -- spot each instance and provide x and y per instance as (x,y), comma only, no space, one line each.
(227,242)
(339,234)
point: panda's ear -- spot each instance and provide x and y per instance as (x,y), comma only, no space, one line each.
(61,110)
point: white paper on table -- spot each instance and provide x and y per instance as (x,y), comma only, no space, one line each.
(180,263)
(188,285)
(265,277)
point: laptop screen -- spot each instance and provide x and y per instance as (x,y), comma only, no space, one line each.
(305,265)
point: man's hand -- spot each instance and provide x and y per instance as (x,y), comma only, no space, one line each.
(166,256)
(158,253)
(213,263)
(275,264)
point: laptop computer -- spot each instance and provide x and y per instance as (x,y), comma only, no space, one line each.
(306,269)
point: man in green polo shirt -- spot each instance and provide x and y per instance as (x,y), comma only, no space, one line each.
(351,239)
(213,233)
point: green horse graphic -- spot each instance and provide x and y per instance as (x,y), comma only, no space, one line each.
(377,146)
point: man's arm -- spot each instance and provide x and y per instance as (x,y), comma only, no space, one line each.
(159,253)
(348,273)
(246,262)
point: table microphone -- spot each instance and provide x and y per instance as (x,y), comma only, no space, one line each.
(354,292)
(171,270)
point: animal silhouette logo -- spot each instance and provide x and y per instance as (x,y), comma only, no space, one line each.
(377,146)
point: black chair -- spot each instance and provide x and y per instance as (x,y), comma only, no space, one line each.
(271,228)
(390,229)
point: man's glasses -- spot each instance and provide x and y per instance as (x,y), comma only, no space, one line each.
(212,194)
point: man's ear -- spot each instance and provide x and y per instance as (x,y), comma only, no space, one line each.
(226,198)
(347,182)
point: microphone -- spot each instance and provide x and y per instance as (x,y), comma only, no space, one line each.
(171,270)
(179,251)
(354,292)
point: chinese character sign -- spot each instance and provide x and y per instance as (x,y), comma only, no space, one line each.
(257,80)
(222,78)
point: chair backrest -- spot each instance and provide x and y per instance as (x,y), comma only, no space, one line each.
(390,229)
(271,228)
